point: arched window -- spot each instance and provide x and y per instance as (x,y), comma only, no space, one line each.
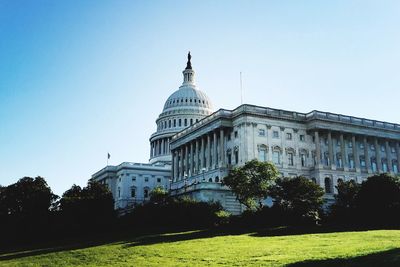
(185,121)
(217,179)
(146,192)
(328,185)
(174,122)
(262,153)
(133,191)
(179,122)
(339,161)
(351,161)
(229,156)
(395,166)
(373,164)
(191,121)
(339,181)
(210,180)
(314,180)
(169,124)
(384,165)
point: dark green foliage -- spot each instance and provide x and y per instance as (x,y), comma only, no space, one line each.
(299,199)
(378,201)
(251,183)
(159,195)
(183,213)
(89,207)
(342,212)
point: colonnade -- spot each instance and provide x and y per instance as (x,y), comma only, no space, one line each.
(160,147)
(372,148)
(200,154)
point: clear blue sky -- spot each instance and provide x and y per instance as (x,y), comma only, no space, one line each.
(79,79)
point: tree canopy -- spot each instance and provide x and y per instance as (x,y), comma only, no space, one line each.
(251,182)
(299,197)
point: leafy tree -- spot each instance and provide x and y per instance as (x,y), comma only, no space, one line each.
(378,200)
(26,198)
(251,183)
(159,195)
(347,192)
(82,207)
(298,198)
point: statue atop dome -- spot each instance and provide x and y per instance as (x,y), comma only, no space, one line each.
(189,64)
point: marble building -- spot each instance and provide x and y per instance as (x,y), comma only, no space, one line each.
(193,148)
(322,146)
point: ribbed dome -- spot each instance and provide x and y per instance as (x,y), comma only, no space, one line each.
(187,96)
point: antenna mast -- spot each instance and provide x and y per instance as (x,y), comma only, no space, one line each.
(241,89)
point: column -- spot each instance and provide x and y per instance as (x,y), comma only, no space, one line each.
(378,155)
(317,150)
(174,166)
(162,147)
(388,156)
(182,172)
(215,148)
(343,153)
(191,159)
(208,156)
(151,149)
(168,151)
(356,157)
(187,157)
(366,155)
(196,165)
(330,150)
(398,154)
(221,148)
(202,154)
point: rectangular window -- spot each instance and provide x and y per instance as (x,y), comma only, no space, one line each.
(302,137)
(261,132)
(276,157)
(393,149)
(275,134)
(119,192)
(236,157)
(133,192)
(262,155)
(290,159)
(229,159)
(350,144)
(236,134)
(158,180)
(362,145)
(180,123)
(383,149)
(372,147)
(303,160)
(133,178)
(146,193)
(362,162)
(146,179)
(289,136)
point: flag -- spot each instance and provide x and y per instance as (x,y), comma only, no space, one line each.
(108,155)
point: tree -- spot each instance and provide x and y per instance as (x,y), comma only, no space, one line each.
(299,198)
(343,210)
(159,195)
(251,183)
(29,197)
(91,206)
(378,200)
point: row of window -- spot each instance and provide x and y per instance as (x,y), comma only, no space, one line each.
(187,100)
(275,134)
(146,179)
(176,123)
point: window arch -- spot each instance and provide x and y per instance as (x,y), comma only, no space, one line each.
(146,192)
(328,185)
(262,152)
(314,180)
(210,180)
(217,179)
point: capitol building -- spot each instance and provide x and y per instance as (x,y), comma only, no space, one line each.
(194,147)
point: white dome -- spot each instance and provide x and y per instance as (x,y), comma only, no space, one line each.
(188,97)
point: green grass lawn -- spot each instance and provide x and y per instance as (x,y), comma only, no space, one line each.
(204,248)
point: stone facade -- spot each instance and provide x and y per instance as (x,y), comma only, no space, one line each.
(131,183)
(322,146)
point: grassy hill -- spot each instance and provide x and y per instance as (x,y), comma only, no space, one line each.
(210,248)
